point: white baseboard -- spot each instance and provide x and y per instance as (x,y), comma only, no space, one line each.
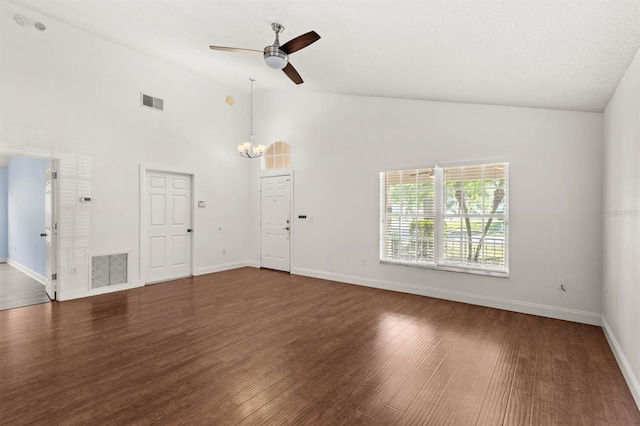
(632,380)
(459,296)
(20,267)
(79,294)
(225,267)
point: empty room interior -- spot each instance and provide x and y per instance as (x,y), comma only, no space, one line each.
(279,212)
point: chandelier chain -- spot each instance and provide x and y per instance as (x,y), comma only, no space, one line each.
(248,149)
(251,114)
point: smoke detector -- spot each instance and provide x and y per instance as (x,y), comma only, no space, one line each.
(21,20)
(25,22)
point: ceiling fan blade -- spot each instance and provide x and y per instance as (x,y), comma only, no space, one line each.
(236,49)
(291,72)
(300,42)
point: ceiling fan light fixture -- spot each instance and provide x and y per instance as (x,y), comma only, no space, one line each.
(275,58)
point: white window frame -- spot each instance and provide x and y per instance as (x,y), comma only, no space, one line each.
(284,156)
(438,261)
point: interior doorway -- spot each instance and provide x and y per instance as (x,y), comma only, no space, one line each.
(166,231)
(28,230)
(275,222)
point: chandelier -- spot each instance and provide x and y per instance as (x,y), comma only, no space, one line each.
(248,149)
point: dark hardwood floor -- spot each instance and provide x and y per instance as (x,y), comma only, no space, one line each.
(18,289)
(261,347)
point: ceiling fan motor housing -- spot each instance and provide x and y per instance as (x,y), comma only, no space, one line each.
(275,58)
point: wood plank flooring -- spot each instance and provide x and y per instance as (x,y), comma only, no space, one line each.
(261,347)
(18,289)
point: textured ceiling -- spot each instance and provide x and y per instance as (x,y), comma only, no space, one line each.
(550,54)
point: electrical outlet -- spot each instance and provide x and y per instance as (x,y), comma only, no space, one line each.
(364,262)
(74,270)
(224,251)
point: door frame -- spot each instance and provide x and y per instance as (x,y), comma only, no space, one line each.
(279,173)
(144,254)
(52,265)
(51,258)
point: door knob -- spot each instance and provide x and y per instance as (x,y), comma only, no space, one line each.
(286,229)
(189,230)
(43,235)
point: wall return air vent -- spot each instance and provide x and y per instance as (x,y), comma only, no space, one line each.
(109,270)
(151,102)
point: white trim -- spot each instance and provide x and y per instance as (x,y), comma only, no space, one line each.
(627,372)
(225,267)
(490,160)
(36,276)
(166,169)
(80,294)
(276,172)
(557,312)
(144,168)
(168,280)
(410,167)
(292,228)
(29,153)
(450,268)
(51,261)
(439,222)
(281,173)
(52,264)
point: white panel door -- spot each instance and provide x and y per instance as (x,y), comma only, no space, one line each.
(51,232)
(275,220)
(168,213)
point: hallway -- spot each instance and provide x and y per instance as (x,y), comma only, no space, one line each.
(17,289)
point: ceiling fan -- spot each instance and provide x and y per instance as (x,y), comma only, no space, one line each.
(277,56)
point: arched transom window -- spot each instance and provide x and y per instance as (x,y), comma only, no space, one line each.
(277,156)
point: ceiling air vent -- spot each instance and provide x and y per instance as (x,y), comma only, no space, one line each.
(151,102)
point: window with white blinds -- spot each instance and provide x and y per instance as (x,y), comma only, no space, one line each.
(452,218)
(408,216)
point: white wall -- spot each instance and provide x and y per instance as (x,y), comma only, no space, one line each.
(621,290)
(73,96)
(340,144)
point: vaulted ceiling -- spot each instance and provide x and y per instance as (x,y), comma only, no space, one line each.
(536,53)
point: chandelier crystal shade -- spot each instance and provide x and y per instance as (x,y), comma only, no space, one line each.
(249,149)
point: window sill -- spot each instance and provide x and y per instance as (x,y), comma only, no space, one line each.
(451,268)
